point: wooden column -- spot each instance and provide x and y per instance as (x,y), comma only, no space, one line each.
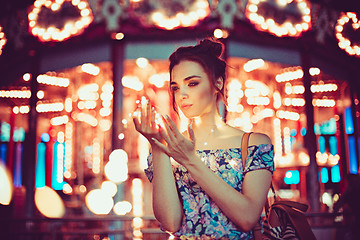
(29,153)
(312,179)
(117,55)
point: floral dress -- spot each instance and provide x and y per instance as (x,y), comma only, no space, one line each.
(202,217)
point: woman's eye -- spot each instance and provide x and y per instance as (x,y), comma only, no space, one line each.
(174,88)
(192,84)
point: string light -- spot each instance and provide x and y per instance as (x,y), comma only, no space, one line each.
(60,120)
(330,87)
(253,64)
(15,93)
(68,149)
(277,139)
(49,107)
(46,31)
(132,82)
(90,69)
(21,109)
(323,102)
(347,19)
(165,17)
(293,26)
(289,75)
(3,39)
(220,33)
(288,115)
(53,80)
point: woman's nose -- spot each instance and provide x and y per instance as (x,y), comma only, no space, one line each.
(183,92)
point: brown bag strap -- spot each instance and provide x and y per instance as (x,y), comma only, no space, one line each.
(297,218)
(244,146)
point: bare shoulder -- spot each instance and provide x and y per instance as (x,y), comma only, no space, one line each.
(259,138)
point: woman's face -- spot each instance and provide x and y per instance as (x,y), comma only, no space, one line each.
(192,89)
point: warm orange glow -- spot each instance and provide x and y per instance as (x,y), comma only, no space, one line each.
(71,28)
(349,18)
(6,186)
(99,202)
(3,39)
(49,203)
(255,10)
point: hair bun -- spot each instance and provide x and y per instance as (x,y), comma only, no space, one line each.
(211,47)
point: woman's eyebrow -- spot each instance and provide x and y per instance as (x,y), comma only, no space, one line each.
(186,79)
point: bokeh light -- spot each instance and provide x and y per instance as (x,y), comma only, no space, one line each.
(6,189)
(99,202)
(49,203)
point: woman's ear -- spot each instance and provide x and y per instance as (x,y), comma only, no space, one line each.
(219,83)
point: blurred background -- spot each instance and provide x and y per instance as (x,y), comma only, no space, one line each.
(72,72)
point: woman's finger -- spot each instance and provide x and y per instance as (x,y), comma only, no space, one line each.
(142,113)
(191,133)
(165,136)
(173,127)
(152,118)
(168,130)
(148,113)
(136,123)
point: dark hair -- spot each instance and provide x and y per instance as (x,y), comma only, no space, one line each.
(207,53)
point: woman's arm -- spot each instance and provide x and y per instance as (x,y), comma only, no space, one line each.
(244,208)
(166,202)
(248,204)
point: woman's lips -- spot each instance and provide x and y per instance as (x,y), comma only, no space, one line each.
(185,106)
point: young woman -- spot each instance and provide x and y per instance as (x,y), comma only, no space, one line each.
(207,194)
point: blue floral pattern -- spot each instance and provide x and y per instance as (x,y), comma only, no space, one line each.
(201,215)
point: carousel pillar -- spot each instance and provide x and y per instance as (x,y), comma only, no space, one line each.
(117,55)
(29,157)
(355,122)
(312,179)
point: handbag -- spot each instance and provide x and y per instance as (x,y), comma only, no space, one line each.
(283,219)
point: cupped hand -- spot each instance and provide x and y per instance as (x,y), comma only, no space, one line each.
(180,148)
(144,121)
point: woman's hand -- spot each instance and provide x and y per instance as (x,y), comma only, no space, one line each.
(178,147)
(147,125)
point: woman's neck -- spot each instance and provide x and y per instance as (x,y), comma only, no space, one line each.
(209,122)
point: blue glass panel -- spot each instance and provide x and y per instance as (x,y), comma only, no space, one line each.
(45,137)
(3,153)
(303,131)
(324,175)
(349,124)
(18,166)
(353,165)
(335,174)
(322,144)
(5,132)
(328,127)
(333,145)
(19,135)
(292,177)
(40,165)
(57,180)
